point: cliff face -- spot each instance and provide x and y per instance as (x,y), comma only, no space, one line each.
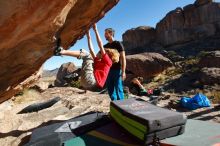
(194,21)
(182,25)
(27,30)
(138,37)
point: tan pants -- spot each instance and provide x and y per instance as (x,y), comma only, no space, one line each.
(87,76)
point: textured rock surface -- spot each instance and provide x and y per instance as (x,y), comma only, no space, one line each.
(170,28)
(27,30)
(146,64)
(138,37)
(210,59)
(202,2)
(181,26)
(65,69)
(209,76)
(189,23)
(15,128)
(210,68)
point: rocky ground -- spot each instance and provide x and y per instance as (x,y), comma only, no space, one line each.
(184,69)
(15,129)
(183,78)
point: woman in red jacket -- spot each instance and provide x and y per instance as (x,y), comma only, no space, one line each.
(95,68)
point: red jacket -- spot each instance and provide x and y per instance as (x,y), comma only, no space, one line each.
(101,69)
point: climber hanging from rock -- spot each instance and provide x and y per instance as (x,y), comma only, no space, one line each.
(95,68)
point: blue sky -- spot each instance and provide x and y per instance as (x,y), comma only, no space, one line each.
(125,15)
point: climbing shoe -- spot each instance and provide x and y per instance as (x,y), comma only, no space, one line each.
(57,51)
(58,48)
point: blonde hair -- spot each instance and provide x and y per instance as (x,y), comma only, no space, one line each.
(113,54)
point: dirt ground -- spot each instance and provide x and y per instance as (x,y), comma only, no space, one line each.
(15,129)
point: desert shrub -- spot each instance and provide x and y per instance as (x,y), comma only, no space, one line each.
(192,61)
(75,84)
(202,54)
(215,96)
(159,78)
(27,95)
(174,71)
(172,53)
(194,69)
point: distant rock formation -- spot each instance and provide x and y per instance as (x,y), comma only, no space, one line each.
(183,25)
(28,29)
(50,73)
(194,21)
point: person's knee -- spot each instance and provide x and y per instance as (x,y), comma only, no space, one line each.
(83,54)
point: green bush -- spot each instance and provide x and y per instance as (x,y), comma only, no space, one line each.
(202,54)
(75,84)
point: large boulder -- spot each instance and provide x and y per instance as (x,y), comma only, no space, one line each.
(210,68)
(209,76)
(146,65)
(28,29)
(210,59)
(64,70)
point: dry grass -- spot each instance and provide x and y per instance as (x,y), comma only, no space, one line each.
(159,78)
(215,96)
(163,77)
(192,61)
(156,81)
(48,79)
(172,71)
(203,54)
(27,95)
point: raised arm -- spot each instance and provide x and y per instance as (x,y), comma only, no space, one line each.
(123,64)
(98,39)
(90,45)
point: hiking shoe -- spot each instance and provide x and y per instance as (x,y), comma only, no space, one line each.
(58,48)
(143,92)
(57,51)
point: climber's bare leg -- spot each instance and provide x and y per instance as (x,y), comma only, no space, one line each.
(70,53)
